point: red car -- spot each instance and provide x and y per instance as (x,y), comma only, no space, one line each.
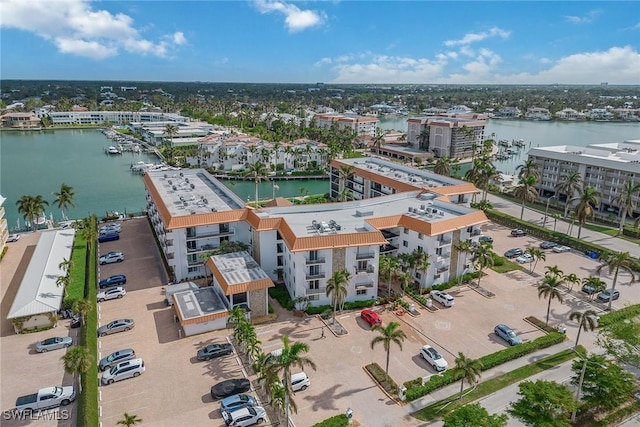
(370,317)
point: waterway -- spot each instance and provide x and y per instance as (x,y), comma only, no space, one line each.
(540,134)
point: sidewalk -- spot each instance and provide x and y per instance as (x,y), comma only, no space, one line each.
(537,217)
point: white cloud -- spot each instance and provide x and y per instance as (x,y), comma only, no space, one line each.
(618,65)
(476,37)
(75,28)
(585,19)
(296,19)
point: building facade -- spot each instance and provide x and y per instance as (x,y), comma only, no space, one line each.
(360,125)
(452,136)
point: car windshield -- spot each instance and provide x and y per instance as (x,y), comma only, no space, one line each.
(111,357)
(434,354)
(511,334)
(49,341)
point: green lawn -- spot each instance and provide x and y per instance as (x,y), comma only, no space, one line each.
(485,388)
(77,273)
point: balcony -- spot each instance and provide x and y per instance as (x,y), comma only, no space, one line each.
(389,234)
(310,291)
(196,263)
(442,269)
(318,260)
(319,275)
(220,233)
(365,255)
(202,248)
(385,249)
(444,242)
(476,232)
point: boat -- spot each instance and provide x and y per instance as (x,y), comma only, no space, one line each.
(113,150)
(504,143)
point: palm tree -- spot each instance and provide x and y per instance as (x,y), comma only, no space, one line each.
(337,288)
(464,247)
(587,202)
(571,279)
(550,288)
(553,270)
(405,279)
(528,168)
(62,281)
(443,166)
(388,334)
(525,191)
(487,174)
(280,366)
(587,320)
(536,255)
(258,172)
(469,368)
(569,185)
(482,257)
(170,130)
(343,175)
(82,307)
(129,420)
(64,199)
(626,201)
(615,262)
(388,266)
(595,283)
(31,208)
(422,266)
(65,265)
(77,360)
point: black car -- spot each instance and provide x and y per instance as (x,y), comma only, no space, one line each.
(548,245)
(487,239)
(214,350)
(230,387)
(115,280)
(518,233)
(513,253)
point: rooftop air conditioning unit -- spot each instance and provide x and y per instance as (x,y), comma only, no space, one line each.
(193,186)
(181,174)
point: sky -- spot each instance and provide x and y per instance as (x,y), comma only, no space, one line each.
(339,41)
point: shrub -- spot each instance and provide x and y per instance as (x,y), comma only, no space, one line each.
(349,305)
(382,378)
(540,324)
(627,312)
(335,421)
(498,261)
(281,294)
(413,383)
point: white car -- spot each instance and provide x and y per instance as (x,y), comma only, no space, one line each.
(524,258)
(110,228)
(560,249)
(13,238)
(245,416)
(111,257)
(113,293)
(123,370)
(433,358)
(443,298)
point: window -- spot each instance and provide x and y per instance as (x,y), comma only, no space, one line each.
(313,255)
(224,228)
(420,236)
(439,251)
(469,229)
(418,276)
(224,239)
(315,297)
(406,230)
(193,269)
(362,265)
(361,292)
(405,243)
(314,284)
(314,270)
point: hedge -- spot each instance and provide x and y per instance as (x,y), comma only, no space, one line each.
(619,315)
(382,378)
(335,421)
(489,361)
(349,305)
(75,290)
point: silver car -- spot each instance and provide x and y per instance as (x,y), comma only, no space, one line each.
(111,257)
(119,325)
(113,293)
(54,343)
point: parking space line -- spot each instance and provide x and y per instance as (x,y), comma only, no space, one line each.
(130,411)
(124,397)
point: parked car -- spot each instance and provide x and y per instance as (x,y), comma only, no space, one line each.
(46,398)
(371,317)
(300,381)
(245,416)
(433,358)
(115,280)
(214,350)
(123,370)
(507,334)
(13,238)
(116,357)
(111,257)
(110,227)
(548,245)
(443,298)
(589,290)
(54,343)
(604,296)
(113,293)
(237,401)
(108,237)
(560,249)
(513,253)
(524,258)
(119,325)
(230,387)
(518,233)
(485,239)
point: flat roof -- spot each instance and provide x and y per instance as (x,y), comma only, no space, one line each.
(624,155)
(238,272)
(39,293)
(198,303)
(193,191)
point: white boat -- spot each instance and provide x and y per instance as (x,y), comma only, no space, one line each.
(113,150)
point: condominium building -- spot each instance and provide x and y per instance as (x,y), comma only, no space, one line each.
(112,117)
(303,245)
(361,125)
(606,167)
(450,136)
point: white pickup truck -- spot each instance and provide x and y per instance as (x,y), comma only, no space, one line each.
(46,398)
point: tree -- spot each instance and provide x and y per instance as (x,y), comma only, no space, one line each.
(77,360)
(525,191)
(528,168)
(388,266)
(550,288)
(280,366)
(615,262)
(170,130)
(587,320)
(82,307)
(605,384)
(467,369)
(337,288)
(64,199)
(626,202)
(31,208)
(536,255)
(597,284)
(621,340)
(388,334)
(344,172)
(443,166)
(543,404)
(65,265)
(587,202)
(464,247)
(569,185)
(571,279)
(482,257)
(474,415)
(257,171)
(129,420)
(553,270)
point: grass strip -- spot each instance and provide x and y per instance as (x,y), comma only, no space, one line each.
(75,290)
(488,387)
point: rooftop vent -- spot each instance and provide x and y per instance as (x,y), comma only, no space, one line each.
(193,186)
(181,174)
(363,213)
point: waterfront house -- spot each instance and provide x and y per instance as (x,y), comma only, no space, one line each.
(537,113)
(20,121)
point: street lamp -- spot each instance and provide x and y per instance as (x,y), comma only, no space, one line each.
(546,211)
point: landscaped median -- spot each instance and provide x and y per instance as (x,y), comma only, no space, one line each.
(488,387)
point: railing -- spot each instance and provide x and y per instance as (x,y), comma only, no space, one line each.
(368,255)
(229,232)
(310,291)
(202,248)
(476,232)
(320,275)
(443,242)
(319,260)
(442,269)
(388,248)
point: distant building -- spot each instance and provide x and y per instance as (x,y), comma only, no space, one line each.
(537,113)
(450,136)
(361,125)
(570,114)
(20,121)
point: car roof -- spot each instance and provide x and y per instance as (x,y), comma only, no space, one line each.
(298,376)
(240,397)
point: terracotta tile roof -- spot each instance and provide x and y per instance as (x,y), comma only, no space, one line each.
(454,190)
(237,288)
(433,228)
(278,201)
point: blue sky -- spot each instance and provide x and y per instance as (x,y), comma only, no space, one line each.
(347,41)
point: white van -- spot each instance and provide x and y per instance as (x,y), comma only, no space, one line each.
(123,370)
(300,381)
